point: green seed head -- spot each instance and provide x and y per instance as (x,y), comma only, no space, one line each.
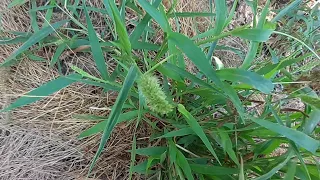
(154,95)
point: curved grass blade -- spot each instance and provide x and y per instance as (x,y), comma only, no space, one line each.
(195,54)
(157,16)
(253,44)
(298,137)
(43,91)
(183,163)
(247,77)
(101,125)
(291,171)
(190,14)
(35,38)
(120,28)
(195,126)
(277,168)
(115,113)
(221,15)
(137,32)
(312,122)
(151,151)
(95,47)
(286,10)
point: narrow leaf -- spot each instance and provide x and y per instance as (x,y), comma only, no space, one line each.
(35,38)
(195,126)
(115,112)
(183,163)
(247,77)
(298,137)
(43,91)
(96,48)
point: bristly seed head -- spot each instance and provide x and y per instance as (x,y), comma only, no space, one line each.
(154,95)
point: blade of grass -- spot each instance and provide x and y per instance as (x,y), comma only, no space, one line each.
(298,137)
(115,113)
(157,16)
(43,91)
(95,47)
(221,15)
(213,170)
(197,129)
(35,38)
(33,16)
(17,3)
(183,163)
(291,171)
(101,125)
(254,45)
(277,168)
(190,14)
(120,28)
(247,77)
(286,10)
(57,54)
(137,32)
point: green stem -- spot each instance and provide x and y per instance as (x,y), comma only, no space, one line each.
(159,63)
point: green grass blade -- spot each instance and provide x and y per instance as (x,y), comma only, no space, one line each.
(291,171)
(227,146)
(35,38)
(195,54)
(286,10)
(312,122)
(277,168)
(16,40)
(43,91)
(190,14)
(49,14)
(145,45)
(257,35)
(155,14)
(301,42)
(17,3)
(213,170)
(115,113)
(183,163)
(101,125)
(120,28)
(298,137)
(254,45)
(151,151)
(195,126)
(312,101)
(96,48)
(231,13)
(177,133)
(247,77)
(137,32)
(57,54)
(33,17)
(221,15)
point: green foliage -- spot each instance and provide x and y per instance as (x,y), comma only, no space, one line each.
(216,122)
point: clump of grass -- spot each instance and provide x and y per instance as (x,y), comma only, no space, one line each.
(216,131)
